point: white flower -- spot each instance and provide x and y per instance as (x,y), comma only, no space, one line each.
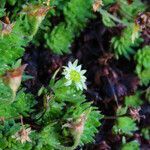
(23,135)
(74,75)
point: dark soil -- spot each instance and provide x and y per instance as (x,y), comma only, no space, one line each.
(109,80)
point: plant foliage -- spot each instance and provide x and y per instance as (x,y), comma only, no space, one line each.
(125,125)
(61,37)
(61,117)
(130,145)
(143,64)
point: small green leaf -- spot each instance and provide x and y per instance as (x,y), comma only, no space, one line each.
(121,111)
(125,125)
(133,101)
(107,20)
(133,145)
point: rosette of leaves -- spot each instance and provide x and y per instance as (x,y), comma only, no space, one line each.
(123,45)
(124,125)
(133,100)
(62,35)
(142,58)
(60,39)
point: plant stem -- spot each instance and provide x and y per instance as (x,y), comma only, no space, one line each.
(74,146)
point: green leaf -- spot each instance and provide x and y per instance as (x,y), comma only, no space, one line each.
(123,45)
(121,111)
(133,145)
(125,125)
(59,40)
(143,64)
(133,100)
(12,2)
(108,21)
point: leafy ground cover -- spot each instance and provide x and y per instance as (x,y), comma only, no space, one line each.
(75,74)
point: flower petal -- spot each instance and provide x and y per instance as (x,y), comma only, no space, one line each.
(75,63)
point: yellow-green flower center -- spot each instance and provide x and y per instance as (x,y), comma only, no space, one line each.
(75,76)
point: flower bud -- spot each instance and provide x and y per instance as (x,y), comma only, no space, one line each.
(78,126)
(35,15)
(13,78)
